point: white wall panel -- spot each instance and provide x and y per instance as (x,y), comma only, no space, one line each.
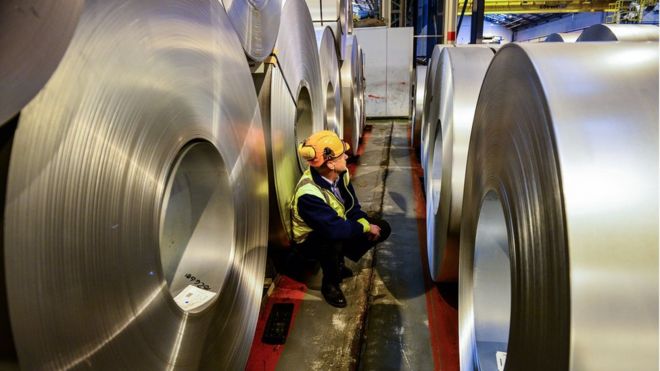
(388,65)
(373,41)
(399,70)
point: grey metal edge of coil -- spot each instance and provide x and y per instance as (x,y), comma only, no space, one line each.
(349,94)
(29,49)
(83,212)
(430,104)
(330,80)
(336,14)
(620,32)
(363,89)
(568,176)
(256,23)
(359,92)
(563,37)
(418,110)
(460,73)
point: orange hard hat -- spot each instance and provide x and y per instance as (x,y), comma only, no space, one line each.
(322,146)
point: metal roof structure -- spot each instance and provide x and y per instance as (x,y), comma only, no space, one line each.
(516,22)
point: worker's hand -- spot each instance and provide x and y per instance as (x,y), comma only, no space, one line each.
(374,232)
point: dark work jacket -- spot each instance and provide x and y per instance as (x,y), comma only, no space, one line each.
(323,219)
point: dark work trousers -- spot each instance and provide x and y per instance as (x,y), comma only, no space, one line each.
(331,253)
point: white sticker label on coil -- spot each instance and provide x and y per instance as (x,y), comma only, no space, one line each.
(193,297)
(501,360)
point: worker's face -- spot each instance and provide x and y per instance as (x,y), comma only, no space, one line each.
(338,164)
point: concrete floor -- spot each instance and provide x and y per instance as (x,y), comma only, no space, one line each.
(395,318)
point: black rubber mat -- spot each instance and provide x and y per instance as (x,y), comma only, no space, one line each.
(277,326)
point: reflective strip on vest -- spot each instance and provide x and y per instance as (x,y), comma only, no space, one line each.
(307,186)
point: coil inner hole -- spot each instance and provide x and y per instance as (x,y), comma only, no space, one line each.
(492,284)
(197,226)
(304,122)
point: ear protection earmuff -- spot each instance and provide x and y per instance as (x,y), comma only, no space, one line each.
(306,152)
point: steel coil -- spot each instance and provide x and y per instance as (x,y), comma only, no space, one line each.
(620,32)
(362,88)
(359,90)
(563,37)
(330,81)
(138,175)
(292,107)
(418,105)
(459,76)
(430,113)
(256,23)
(349,93)
(30,49)
(559,238)
(336,14)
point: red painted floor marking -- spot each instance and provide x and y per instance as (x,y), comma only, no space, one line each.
(443,319)
(264,357)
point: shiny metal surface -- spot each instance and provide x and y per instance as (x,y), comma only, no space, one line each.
(460,73)
(418,109)
(571,153)
(348,14)
(330,81)
(620,32)
(292,106)
(430,113)
(563,37)
(337,14)
(363,90)
(360,89)
(141,82)
(349,94)
(256,23)
(30,50)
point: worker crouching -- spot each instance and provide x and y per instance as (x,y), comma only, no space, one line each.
(327,221)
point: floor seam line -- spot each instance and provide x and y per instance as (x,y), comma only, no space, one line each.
(363,331)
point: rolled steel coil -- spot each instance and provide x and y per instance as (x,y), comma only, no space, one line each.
(459,76)
(256,23)
(330,81)
(35,35)
(350,95)
(620,32)
(563,37)
(363,89)
(138,174)
(559,238)
(292,108)
(359,91)
(418,104)
(430,113)
(337,14)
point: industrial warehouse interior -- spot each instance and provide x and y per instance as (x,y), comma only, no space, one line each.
(329,185)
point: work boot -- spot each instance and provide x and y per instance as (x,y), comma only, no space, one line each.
(333,295)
